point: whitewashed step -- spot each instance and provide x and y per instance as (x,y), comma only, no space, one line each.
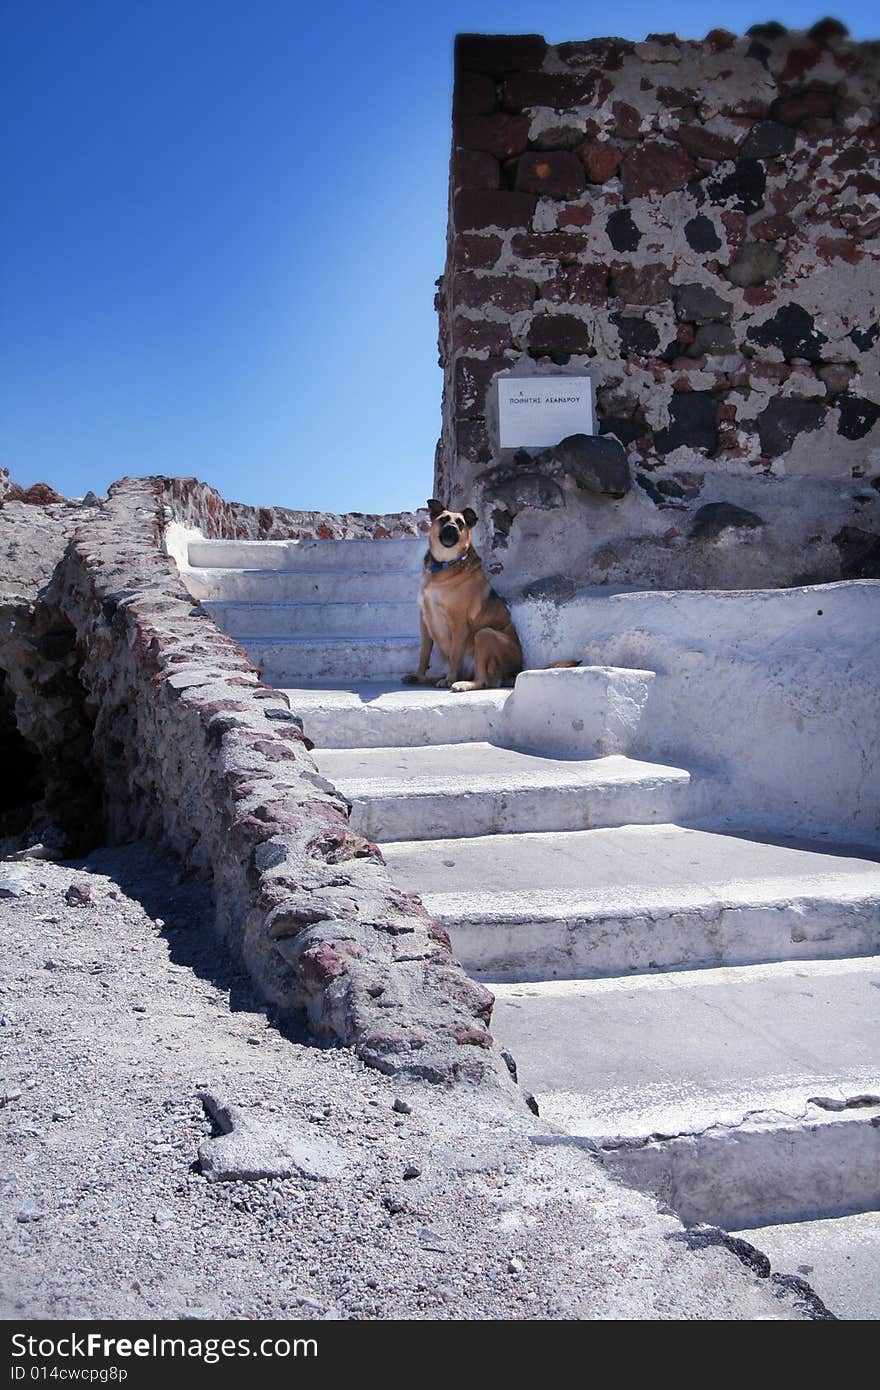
(380,714)
(309,554)
(839,1257)
(371,619)
(285,660)
(480,789)
(671,1053)
(302,585)
(636,898)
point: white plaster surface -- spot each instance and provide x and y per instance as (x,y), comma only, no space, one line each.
(839,1258)
(677,1052)
(380,714)
(309,554)
(774,690)
(378,617)
(432,792)
(632,898)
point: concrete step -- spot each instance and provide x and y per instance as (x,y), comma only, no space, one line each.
(481,790)
(740,1097)
(372,619)
(302,585)
(636,898)
(839,1258)
(285,660)
(380,714)
(359,555)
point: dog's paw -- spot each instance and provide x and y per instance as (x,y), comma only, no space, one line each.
(410,679)
(464,685)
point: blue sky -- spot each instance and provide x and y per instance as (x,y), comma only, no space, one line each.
(223,221)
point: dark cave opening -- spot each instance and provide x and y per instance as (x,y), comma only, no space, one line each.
(22,770)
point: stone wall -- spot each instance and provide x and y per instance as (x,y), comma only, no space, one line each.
(198,507)
(190,748)
(48,793)
(698,223)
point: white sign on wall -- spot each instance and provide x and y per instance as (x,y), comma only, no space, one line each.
(537,411)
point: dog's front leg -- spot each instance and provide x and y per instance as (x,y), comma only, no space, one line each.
(419,677)
(455,657)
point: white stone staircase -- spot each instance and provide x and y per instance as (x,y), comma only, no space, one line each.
(583,885)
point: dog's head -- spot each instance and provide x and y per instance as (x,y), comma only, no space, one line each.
(450,531)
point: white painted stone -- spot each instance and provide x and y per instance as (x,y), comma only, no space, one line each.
(300,586)
(760,1172)
(675,1052)
(630,898)
(576,712)
(775,689)
(381,714)
(398,553)
(371,618)
(480,790)
(284,660)
(839,1258)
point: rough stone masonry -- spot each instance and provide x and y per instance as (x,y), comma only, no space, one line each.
(699,224)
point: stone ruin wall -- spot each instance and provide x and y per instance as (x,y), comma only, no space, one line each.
(151,723)
(198,507)
(699,224)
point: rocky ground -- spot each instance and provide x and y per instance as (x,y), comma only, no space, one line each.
(126,1032)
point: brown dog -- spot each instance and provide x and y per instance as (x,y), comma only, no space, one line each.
(461,612)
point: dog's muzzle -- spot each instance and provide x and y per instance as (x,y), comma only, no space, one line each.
(449,536)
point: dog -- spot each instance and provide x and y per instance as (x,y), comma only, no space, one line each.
(460,612)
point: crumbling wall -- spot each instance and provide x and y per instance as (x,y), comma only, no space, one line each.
(50,794)
(698,223)
(194,750)
(198,507)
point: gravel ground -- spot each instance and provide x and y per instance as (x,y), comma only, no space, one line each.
(119,1009)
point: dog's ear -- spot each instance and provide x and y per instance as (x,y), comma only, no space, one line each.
(470,516)
(435,507)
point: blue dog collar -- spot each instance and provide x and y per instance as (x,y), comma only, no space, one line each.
(435,565)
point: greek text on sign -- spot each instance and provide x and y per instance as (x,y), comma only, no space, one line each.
(534,412)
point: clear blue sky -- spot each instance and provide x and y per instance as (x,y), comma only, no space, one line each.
(223,220)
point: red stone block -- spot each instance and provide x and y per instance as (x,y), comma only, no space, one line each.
(627,120)
(475,169)
(759,294)
(499,53)
(552,333)
(474,94)
(472,379)
(479,335)
(559,246)
(556,174)
(647,284)
(607,54)
(701,143)
(600,158)
(770,371)
(500,135)
(720,40)
(574,216)
(774,228)
(477,207)
(577,284)
(472,441)
(827,29)
(473,252)
(799,107)
(655,167)
(512,293)
(736,225)
(559,90)
(839,249)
